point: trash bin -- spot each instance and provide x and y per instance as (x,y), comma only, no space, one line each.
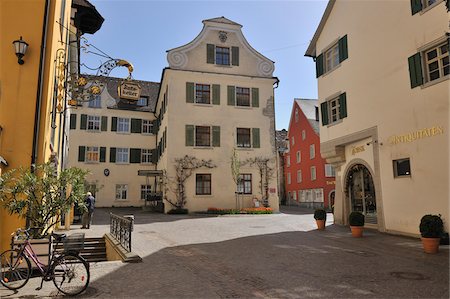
(130,217)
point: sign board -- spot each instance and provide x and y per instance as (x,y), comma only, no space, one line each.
(129,91)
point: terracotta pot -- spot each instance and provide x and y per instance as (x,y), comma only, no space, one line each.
(320,224)
(357,231)
(430,245)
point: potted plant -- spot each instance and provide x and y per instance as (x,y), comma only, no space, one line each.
(356,220)
(321,216)
(431,229)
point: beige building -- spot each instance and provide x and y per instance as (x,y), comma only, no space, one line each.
(383,80)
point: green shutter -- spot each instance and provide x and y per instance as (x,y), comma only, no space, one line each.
(324,112)
(135,155)
(190,135)
(83,122)
(255,97)
(415,70)
(216,94)
(235,56)
(190,93)
(154,157)
(210,49)
(154,127)
(102,154)
(216,136)
(256,143)
(319,66)
(231,95)
(73,121)
(343,105)
(104,123)
(81,153)
(112,155)
(416,6)
(343,49)
(114,124)
(136,125)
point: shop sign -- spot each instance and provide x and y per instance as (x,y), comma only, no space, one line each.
(129,91)
(331,182)
(358,149)
(416,135)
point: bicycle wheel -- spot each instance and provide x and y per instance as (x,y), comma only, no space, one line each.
(70,274)
(16,270)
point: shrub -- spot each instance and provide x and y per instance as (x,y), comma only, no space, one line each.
(178,211)
(320,214)
(356,219)
(431,226)
(260,210)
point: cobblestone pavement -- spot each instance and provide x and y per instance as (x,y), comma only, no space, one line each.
(258,256)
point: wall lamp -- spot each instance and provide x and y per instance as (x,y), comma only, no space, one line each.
(20,46)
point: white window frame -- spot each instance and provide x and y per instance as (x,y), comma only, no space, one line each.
(294,193)
(312,151)
(334,111)
(313,173)
(95,102)
(92,151)
(94,123)
(289,178)
(331,58)
(122,155)
(146,156)
(439,59)
(298,157)
(303,134)
(147,126)
(121,191)
(299,176)
(142,102)
(147,189)
(245,184)
(318,195)
(296,115)
(329,171)
(288,160)
(123,125)
(293,140)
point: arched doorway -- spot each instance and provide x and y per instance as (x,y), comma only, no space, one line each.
(361,192)
(331,197)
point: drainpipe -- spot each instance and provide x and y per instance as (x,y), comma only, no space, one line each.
(277,82)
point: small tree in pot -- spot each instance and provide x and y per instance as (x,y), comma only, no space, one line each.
(356,221)
(431,229)
(321,217)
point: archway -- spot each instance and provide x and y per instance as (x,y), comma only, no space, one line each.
(361,192)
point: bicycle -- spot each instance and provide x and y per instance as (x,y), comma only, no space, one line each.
(68,270)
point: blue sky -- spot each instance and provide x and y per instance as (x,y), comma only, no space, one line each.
(142,31)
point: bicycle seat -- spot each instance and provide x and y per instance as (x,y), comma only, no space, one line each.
(58,237)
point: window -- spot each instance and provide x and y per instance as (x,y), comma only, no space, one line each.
(243,96)
(145,190)
(243,137)
(299,157)
(288,160)
(95,101)
(332,58)
(329,171)
(123,125)
(223,55)
(303,134)
(294,197)
(245,183)
(313,173)
(121,191)
(402,168)
(202,93)
(422,5)
(334,109)
(146,156)
(289,178)
(437,62)
(292,140)
(122,155)
(147,126)
(296,115)
(299,176)
(202,136)
(312,151)
(93,123)
(143,101)
(203,184)
(92,154)
(318,195)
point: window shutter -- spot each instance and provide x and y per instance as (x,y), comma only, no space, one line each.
(73,121)
(210,49)
(136,125)
(135,155)
(415,70)
(190,135)
(231,95)
(83,122)
(255,97)
(319,66)
(154,158)
(343,105)
(190,93)
(216,136)
(104,123)
(416,6)
(102,154)
(343,49)
(81,153)
(154,127)
(324,111)
(235,56)
(112,155)
(114,124)
(216,94)
(255,138)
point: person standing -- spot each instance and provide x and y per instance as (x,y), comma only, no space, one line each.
(90,206)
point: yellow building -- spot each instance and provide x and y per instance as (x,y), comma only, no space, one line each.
(383,82)
(33,99)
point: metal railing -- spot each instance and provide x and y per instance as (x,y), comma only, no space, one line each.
(121,227)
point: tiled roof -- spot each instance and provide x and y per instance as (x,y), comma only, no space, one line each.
(308,107)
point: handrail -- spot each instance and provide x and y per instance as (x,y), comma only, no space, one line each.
(121,228)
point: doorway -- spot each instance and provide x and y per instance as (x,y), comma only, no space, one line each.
(361,192)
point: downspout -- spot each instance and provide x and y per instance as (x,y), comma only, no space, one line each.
(277,82)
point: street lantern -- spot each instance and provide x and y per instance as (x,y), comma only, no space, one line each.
(20,46)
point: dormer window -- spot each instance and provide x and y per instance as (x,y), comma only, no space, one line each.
(219,55)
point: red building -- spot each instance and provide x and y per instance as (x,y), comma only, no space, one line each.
(309,180)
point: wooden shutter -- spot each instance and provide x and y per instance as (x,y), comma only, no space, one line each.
(216,94)
(190,135)
(231,95)
(154,127)
(255,138)
(324,112)
(81,153)
(83,122)
(136,125)
(235,56)
(190,92)
(319,66)
(135,155)
(102,154)
(104,123)
(154,158)
(112,155)
(343,105)
(114,124)
(343,49)
(415,70)
(216,136)
(416,6)
(73,121)
(210,49)
(255,97)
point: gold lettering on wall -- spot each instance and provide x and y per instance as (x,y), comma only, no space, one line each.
(358,149)
(416,135)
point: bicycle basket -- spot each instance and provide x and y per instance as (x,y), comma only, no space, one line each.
(74,242)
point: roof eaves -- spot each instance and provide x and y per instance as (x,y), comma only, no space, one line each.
(311,51)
